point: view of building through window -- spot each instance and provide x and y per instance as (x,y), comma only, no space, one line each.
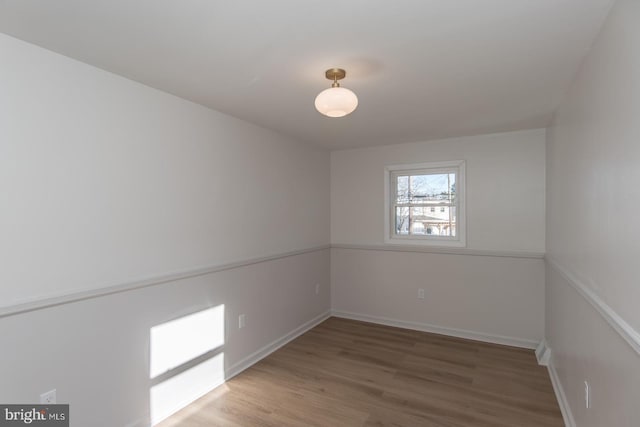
(425,204)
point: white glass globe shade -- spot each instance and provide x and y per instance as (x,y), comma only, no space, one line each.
(336,102)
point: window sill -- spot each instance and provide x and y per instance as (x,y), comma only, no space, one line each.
(430,242)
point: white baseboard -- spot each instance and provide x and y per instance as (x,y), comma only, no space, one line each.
(241,365)
(543,353)
(426,327)
(260,354)
(567,416)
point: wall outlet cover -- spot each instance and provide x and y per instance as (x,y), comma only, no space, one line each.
(48,398)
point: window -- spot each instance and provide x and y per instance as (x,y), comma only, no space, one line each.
(413,192)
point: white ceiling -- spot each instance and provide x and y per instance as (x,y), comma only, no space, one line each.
(422,69)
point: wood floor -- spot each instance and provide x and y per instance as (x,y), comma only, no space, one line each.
(349,373)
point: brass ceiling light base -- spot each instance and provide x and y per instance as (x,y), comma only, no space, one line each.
(335,74)
(336,101)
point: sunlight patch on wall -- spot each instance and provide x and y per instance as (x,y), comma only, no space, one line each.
(168,397)
(181,340)
(186,360)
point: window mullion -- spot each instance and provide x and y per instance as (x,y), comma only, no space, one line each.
(410,198)
(394,212)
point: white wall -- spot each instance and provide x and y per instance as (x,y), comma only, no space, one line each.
(473,292)
(104,181)
(96,352)
(498,299)
(505,188)
(593,234)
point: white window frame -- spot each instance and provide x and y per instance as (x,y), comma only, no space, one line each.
(457,167)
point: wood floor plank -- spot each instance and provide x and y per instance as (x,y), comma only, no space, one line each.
(349,373)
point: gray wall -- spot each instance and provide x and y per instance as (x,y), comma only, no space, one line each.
(107,185)
(593,233)
(491,290)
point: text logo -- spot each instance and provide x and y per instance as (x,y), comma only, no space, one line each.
(34,415)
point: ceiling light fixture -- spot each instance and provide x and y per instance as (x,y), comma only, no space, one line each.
(336,101)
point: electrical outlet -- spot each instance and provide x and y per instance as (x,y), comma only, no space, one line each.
(48,398)
(241,321)
(317,288)
(420,293)
(587,395)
